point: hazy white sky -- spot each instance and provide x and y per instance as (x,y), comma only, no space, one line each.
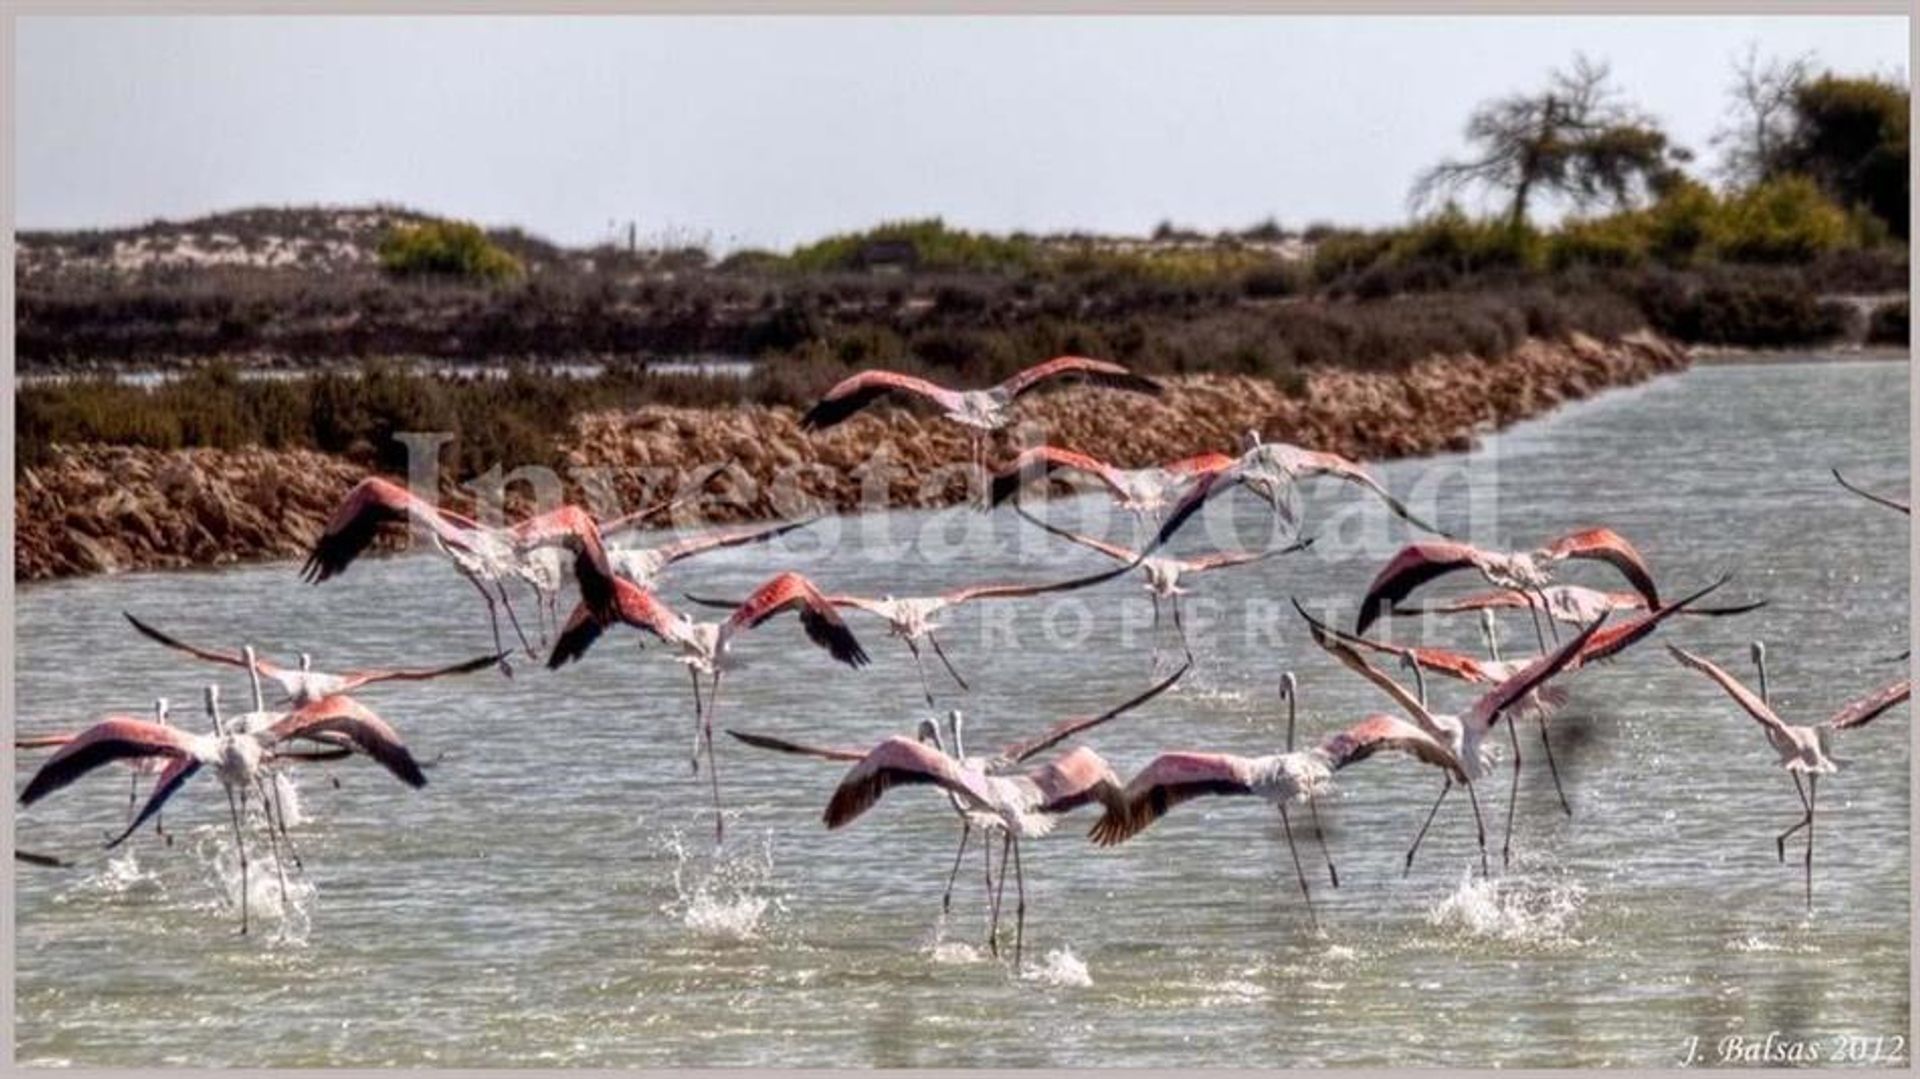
(770,131)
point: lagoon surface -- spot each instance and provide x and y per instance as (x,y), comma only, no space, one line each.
(553,897)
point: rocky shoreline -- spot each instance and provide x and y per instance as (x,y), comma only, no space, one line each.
(104,509)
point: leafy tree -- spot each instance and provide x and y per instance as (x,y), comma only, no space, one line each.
(1850,136)
(1576,139)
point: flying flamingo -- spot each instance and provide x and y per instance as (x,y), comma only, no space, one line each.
(643,565)
(1464,735)
(546,569)
(1890,503)
(1141,491)
(136,767)
(1280,778)
(980,411)
(239,759)
(1527,572)
(1568,603)
(911,618)
(706,647)
(1803,749)
(305,685)
(1007,761)
(483,554)
(1271,470)
(1163,572)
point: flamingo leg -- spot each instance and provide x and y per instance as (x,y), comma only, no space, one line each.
(273,842)
(1320,834)
(1286,823)
(133,794)
(966,833)
(1020,904)
(1553,769)
(925,686)
(1480,828)
(1181,629)
(699,714)
(947,663)
(1428,824)
(493,619)
(515,619)
(999,895)
(280,819)
(1780,842)
(1155,667)
(240,844)
(986,863)
(1813,798)
(713,769)
(1513,797)
(1533,612)
(1546,609)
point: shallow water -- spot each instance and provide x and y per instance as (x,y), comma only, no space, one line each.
(552,897)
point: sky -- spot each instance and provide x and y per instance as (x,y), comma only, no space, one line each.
(771,131)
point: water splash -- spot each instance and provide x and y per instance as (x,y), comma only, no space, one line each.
(725,895)
(1061,968)
(1521,910)
(285,910)
(121,875)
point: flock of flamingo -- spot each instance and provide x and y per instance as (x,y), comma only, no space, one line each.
(1008,794)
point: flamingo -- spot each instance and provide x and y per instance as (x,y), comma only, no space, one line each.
(1463,735)
(1803,749)
(1144,492)
(1280,778)
(1526,572)
(911,618)
(240,758)
(136,767)
(1163,572)
(483,554)
(643,565)
(305,685)
(1890,503)
(706,647)
(1568,603)
(546,569)
(1007,761)
(1271,470)
(980,411)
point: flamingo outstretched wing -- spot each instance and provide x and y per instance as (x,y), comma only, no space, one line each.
(1200,464)
(1890,503)
(793,592)
(1606,545)
(343,716)
(1488,709)
(1383,733)
(1323,463)
(1613,640)
(895,762)
(855,393)
(1075,778)
(1863,711)
(1413,566)
(354,524)
(719,538)
(1445,661)
(1080,368)
(632,605)
(1111,550)
(1336,643)
(1167,781)
(353,680)
(1067,728)
(112,739)
(638,517)
(1228,559)
(267,668)
(1044,461)
(781,745)
(178,771)
(1741,695)
(573,528)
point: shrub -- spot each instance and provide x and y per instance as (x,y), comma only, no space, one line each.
(450,249)
(1888,326)
(1621,240)
(1785,220)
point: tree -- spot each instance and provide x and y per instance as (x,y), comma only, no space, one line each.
(1850,136)
(1762,115)
(1575,139)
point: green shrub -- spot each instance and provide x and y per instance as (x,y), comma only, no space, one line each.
(450,249)
(1785,220)
(1464,245)
(1620,240)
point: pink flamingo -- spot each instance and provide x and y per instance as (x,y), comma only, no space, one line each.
(706,647)
(136,766)
(1141,491)
(1567,603)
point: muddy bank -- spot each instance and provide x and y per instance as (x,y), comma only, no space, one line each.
(105,509)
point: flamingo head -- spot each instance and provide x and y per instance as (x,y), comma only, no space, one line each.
(306,662)
(1289,686)
(955,721)
(213,708)
(160,710)
(1251,440)
(928,733)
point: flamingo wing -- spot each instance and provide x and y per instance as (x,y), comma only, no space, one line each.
(781,745)
(372,502)
(1205,487)
(1741,695)
(1380,733)
(1323,463)
(1866,709)
(1413,566)
(638,517)
(1227,559)
(1890,503)
(353,680)
(1065,729)
(791,591)
(574,528)
(1611,641)
(898,761)
(342,716)
(1487,710)
(1167,781)
(178,771)
(855,393)
(1606,545)
(1014,591)
(112,739)
(1073,779)
(720,538)
(1113,551)
(1081,368)
(1326,637)
(1044,461)
(1200,464)
(267,668)
(633,605)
